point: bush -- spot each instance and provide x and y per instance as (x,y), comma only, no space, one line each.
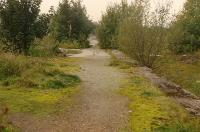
(75,44)
(83,41)
(143,35)
(11,65)
(47,46)
(70,44)
(17,70)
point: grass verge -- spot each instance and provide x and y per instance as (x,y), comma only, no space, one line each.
(150,109)
(37,86)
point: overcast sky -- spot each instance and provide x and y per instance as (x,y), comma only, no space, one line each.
(95,8)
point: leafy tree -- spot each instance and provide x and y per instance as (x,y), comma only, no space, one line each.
(107,30)
(70,21)
(142,35)
(42,25)
(17,23)
(43,22)
(185,31)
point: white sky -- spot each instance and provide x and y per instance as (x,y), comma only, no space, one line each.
(95,8)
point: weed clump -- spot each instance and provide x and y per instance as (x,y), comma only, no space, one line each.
(62,80)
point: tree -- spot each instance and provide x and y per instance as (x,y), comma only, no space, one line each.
(43,22)
(142,35)
(185,31)
(107,30)
(17,23)
(70,21)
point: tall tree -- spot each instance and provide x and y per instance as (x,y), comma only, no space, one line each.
(70,21)
(107,31)
(17,23)
(43,22)
(185,35)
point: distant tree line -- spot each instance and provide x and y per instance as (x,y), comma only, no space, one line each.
(21,23)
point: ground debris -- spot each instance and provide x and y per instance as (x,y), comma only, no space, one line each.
(182,96)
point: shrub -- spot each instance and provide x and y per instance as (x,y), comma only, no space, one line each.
(11,65)
(18,70)
(70,44)
(47,46)
(82,42)
(143,35)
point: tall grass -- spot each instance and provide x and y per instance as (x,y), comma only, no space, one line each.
(11,65)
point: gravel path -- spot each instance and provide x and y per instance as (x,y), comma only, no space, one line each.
(100,108)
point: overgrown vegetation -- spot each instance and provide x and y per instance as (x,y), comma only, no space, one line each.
(144,32)
(169,47)
(150,109)
(185,30)
(183,70)
(44,47)
(140,33)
